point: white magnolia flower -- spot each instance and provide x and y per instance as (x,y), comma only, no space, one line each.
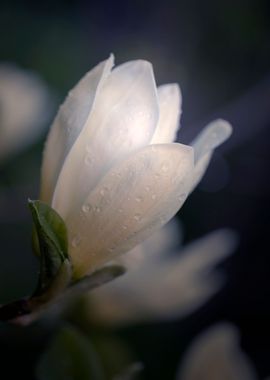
(110,168)
(216,355)
(163,285)
(24,106)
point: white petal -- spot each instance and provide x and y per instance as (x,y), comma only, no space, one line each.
(68,124)
(160,243)
(200,169)
(216,355)
(213,135)
(124,118)
(129,204)
(165,289)
(170,103)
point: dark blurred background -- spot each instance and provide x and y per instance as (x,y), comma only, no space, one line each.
(219,52)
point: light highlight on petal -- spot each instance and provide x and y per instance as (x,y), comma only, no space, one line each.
(170,103)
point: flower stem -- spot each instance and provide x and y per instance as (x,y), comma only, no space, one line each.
(14,310)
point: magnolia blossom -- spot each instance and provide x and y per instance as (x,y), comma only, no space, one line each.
(161,284)
(24,108)
(216,355)
(110,166)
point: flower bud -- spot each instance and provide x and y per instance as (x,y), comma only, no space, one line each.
(110,167)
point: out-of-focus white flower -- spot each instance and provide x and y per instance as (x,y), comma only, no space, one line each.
(216,355)
(163,286)
(163,241)
(24,108)
(110,168)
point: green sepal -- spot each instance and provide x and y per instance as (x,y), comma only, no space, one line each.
(51,243)
(71,355)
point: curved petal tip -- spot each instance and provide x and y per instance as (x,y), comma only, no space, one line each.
(213,135)
(111,58)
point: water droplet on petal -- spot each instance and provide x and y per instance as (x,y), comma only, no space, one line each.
(76,241)
(153,196)
(181,197)
(97,209)
(86,207)
(165,167)
(162,219)
(88,160)
(138,199)
(137,217)
(104,191)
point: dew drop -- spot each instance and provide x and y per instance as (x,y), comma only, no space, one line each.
(88,160)
(162,219)
(137,217)
(153,196)
(181,197)
(97,209)
(138,199)
(86,207)
(165,167)
(76,241)
(124,227)
(104,191)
